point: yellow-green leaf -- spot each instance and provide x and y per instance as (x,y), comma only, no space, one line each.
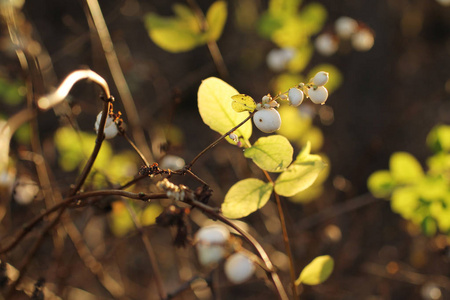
(216,17)
(214,105)
(299,176)
(150,213)
(405,201)
(272,153)
(405,168)
(242,103)
(245,197)
(175,34)
(381,183)
(284,8)
(316,271)
(301,58)
(439,138)
(304,153)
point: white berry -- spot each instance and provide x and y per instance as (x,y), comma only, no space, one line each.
(363,40)
(295,96)
(318,95)
(172,162)
(321,78)
(345,27)
(326,44)
(110,127)
(277,59)
(267,120)
(211,241)
(239,268)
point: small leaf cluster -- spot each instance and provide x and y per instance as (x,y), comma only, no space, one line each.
(418,196)
(186,30)
(221,108)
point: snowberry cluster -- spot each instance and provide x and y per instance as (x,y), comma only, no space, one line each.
(267,119)
(213,244)
(173,191)
(345,28)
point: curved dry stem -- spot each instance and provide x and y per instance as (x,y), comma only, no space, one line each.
(52,99)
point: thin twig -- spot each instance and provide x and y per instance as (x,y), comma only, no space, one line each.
(287,244)
(189,165)
(250,239)
(67,201)
(136,149)
(118,77)
(150,252)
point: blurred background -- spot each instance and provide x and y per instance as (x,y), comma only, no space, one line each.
(389,64)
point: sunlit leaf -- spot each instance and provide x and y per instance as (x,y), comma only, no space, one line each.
(381,183)
(214,105)
(405,168)
(313,17)
(439,138)
(242,103)
(268,24)
(335,80)
(405,201)
(293,124)
(313,135)
(150,213)
(298,177)
(120,220)
(245,197)
(301,59)
(175,34)
(286,8)
(316,271)
(216,17)
(429,226)
(272,153)
(304,153)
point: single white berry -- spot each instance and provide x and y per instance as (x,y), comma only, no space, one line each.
(326,44)
(210,243)
(267,120)
(295,96)
(321,78)
(363,40)
(345,27)
(266,99)
(110,130)
(277,59)
(239,268)
(318,95)
(172,162)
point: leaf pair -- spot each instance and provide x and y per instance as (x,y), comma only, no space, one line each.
(185,31)
(274,154)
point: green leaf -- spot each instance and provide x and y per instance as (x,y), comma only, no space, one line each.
(175,34)
(336,77)
(216,17)
(316,271)
(429,226)
(313,17)
(405,201)
(405,168)
(439,138)
(299,176)
(301,58)
(284,8)
(242,103)
(272,153)
(381,183)
(150,213)
(214,105)
(245,197)
(304,153)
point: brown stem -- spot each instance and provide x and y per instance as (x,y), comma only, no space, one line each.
(117,75)
(287,244)
(189,165)
(150,252)
(136,149)
(67,201)
(262,253)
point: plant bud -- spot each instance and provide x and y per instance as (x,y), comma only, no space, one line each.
(239,268)
(318,95)
(267,120)
(295,96)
